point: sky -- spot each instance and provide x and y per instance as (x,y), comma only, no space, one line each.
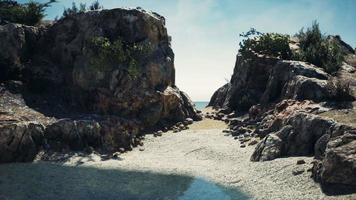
(205,33)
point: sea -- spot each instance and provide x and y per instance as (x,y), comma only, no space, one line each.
(201,104)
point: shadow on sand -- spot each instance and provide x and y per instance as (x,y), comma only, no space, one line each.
(53,181)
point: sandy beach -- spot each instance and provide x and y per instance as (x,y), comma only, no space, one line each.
(202,151)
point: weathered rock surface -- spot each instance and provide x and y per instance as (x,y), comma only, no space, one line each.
(338,166)
(281,101)
(94,79)
(265,80)
(19,142)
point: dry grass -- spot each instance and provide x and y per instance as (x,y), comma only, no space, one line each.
(343,116)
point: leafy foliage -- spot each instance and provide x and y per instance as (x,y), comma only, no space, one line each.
(95,6)
(270,44)
(109,54)
(340,89)
(317,49)
(29,13)
(82,8)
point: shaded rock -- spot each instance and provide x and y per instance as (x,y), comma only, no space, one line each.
(297,172)
(339,163)
(268,149)
(298,135)
(94,100)
(20,142)
(273,80)
(300,162)
(218,98)
(253,142)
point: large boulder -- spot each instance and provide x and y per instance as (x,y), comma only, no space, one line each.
(219,96)
(264,80)
(296,135)
(95,79)
(17,42)
(19,142)
(336,164)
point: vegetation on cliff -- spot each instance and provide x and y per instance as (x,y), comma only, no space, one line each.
(314,47)
(117,53)
(30,13)
(81,9)
(317,49)
(270,44)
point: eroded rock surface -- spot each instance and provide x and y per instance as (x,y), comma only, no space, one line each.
(294,108)
(98,79)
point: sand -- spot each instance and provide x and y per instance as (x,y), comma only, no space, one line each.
(204,151)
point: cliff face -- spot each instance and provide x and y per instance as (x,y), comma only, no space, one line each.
(110,71)
(284,100)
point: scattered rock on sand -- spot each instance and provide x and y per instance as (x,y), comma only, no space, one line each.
(300,162)
(298,171)
(253,142)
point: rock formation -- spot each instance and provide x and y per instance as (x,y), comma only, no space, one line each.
(96,79)
(284,100)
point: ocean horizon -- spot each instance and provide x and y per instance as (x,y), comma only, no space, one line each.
(200,104)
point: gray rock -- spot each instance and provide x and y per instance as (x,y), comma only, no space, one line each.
(297,172)
(339,163)
(20,141)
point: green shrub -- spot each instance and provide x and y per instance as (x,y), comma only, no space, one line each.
(82,8)
(29,13)
(95,6)
(106,54)
(270,44)
(317,49)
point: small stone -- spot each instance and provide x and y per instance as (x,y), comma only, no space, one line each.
(243,146)
(141,149)
(253,142)
(300,162)
(296,172)
(140,143)
(89,150)
(116,155)
(159,133)
(189,120)
(235,138)
(226,131)
(121,150)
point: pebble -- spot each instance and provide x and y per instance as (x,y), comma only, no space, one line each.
(116,155)
(300,162)
(141,149)
(253,142)
(159,133)
(296,172)
(243,146)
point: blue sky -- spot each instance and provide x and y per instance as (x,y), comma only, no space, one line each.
(205,32)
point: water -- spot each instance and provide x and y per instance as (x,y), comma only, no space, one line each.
(201,104)
(51,181)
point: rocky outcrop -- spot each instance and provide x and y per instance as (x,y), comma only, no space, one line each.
(20,141)
(336,164)
(295,136)
(17,42)
(280,101)
(264,80)
(219,96)
(96,79)
(291,129)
